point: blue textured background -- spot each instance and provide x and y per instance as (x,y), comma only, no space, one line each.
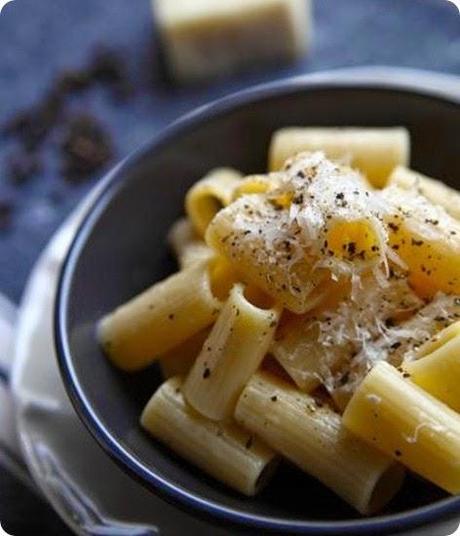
(38,38)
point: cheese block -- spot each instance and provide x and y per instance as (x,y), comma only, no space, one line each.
(206,38)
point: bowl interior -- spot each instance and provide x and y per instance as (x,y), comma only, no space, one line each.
(121,250)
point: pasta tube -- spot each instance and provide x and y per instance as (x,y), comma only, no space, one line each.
(222,276)
(400,342)
(313,438)
(159,319)
(225,451)
(193,253)
(313,347)
(233,351)
(260,261)
(403,421)
(435,191)
(373,151)
(437,370)
(427,239)
(186,244)
(179,360)
(180,235)
(296,241)
(255,184)
(209,195)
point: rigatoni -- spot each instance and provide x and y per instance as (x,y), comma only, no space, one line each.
(187,246)
(294,242)
(162,317)
(304,293)
(313,347)
(180,235)
(179,360)
(194,252)
(437,369)
(225,451)
(209,195)
(222,275)
(400,342)
(233,351)
(255,184)
(435,191)
(249,233)
(405,422)
(313,438)
(374,151)
(426,238)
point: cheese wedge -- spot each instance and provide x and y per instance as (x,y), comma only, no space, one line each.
(206,38)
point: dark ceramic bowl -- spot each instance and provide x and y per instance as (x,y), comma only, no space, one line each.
(120,249)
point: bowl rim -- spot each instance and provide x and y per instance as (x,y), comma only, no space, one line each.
(404,81)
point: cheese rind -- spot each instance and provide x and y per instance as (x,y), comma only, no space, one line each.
(205,38)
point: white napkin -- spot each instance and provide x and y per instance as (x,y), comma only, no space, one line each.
(9,447)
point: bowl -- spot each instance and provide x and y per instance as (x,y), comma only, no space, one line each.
(120,249)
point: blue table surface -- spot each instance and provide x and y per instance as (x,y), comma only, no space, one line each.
(40,38)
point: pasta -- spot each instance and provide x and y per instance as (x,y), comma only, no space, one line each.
(437,369)
(162,317)
(179,360)
(231,354)
(435,191)
(312,348)
(427,239)
(399,343)
(315,317)
(311,436)
(222,276)
(374,151)
(295,241)
(225,451)
(186,245)
(405,422)
(209,195)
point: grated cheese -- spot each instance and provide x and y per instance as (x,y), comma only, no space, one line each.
(316,224)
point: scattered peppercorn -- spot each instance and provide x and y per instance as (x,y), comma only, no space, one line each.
(22,165)
(6,210)
(351,248)
(70,82)
(86,148)
(84,153)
